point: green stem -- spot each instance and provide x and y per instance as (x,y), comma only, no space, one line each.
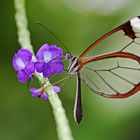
(63,129)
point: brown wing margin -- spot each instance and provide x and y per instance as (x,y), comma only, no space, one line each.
(115,55)
(126,27)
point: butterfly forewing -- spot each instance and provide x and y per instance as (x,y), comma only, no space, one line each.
(116,40)
(113,43)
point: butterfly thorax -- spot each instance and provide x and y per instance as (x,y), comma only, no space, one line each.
(73,65)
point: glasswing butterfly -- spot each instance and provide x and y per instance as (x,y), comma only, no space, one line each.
(114,73)
(111,71)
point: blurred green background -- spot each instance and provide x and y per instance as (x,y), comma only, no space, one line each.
(78,24)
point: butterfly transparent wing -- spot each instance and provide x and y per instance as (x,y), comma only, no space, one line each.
(118,39)
(111,76)
(116,42)
(118,73)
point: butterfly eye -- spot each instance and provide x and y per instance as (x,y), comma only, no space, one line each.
(68,56)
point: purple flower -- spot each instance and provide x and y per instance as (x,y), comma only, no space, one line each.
(22,63)
(41,93)
(57,89)
(49,60)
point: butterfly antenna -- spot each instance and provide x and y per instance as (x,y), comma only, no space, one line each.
(49,30)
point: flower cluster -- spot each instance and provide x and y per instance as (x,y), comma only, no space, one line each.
(48,62)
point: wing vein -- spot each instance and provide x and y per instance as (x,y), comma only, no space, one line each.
(107,83)
(91,81)
(126,80)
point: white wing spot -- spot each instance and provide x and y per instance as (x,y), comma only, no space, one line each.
(135,23)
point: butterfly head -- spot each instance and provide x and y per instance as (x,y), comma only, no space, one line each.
(68,56)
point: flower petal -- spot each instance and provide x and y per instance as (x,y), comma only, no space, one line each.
(29,69)
(57,89)
(18,64)
(44,96)
(22,77)
(57,67)
(47,53)
(57,53)
(47,56)
(35,92)
(39,66)
(38,93)
(21,58)
(25,55)
(47,70)
(40,53)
